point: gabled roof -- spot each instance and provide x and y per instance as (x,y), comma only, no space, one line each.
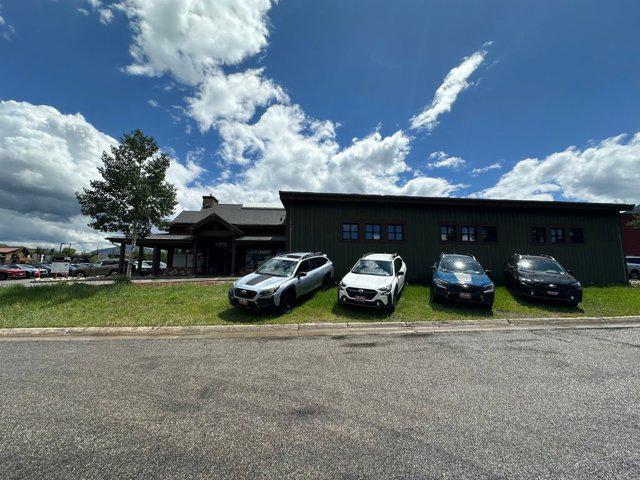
(289,197)
(7,249)
(234,214)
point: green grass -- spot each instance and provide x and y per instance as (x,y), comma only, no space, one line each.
(206,304)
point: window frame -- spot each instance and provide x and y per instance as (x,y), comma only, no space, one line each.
(403,228)
(342,231)
(468,227)
(568,238)
(455,232)
(372,224)
(489,242)
(553,230)
(544,231)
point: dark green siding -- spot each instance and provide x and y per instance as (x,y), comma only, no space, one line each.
(316,226)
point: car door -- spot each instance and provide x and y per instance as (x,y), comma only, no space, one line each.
(400,270)
(305,283)
(318,270)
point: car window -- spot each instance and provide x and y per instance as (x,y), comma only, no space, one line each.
(460,265)
(381,268)
(305,266)
(633,259)
(278,267)
(318,262)
(398,264)
(541,265)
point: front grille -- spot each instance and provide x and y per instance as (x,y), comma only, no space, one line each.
(244,293)
(361,292)
(543,288)
(467,289)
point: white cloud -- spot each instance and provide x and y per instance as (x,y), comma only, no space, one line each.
(45,157)
(153,103)
(454,83)
(608,171)
(442,160)
(191,38)
(106,15)
(232,97)
(493,166)
(6,31)
(83,11)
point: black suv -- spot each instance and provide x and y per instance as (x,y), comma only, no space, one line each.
(541,277)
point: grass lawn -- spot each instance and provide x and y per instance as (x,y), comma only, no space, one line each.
(206,304)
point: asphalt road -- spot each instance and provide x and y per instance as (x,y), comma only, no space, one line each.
(543,404)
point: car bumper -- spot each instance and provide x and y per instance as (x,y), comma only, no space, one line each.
(535,293)
(380,300)
(454,294)
(257,303)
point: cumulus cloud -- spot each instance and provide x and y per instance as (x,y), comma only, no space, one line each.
(106,15)
(191,38)
(45,157)
(6,31)
(455,82)
(493,166)
(232,97)
(440,159)
(608,171)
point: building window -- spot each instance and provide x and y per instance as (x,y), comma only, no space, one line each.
(469,234)
(350,231)
(538,235)
(372,231)
(556,235)
(489,234)
(576,235)
(395,232)
(448,233)
(182,258)
(254,258)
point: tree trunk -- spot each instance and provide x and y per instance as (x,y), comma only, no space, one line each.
(134,239)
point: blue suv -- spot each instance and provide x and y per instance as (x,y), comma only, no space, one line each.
(461,278)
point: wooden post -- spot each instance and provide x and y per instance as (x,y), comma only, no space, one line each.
(123,252)
(155,270)
(194,259)
(233,256)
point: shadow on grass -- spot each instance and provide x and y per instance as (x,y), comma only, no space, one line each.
(450,307)
(355,312)
(546,305)
(50,295)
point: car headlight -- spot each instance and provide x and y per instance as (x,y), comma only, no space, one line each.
(526,280)
(385,289)
(439,282)
(575,285)
(343,285)
(268,292)
(488,288)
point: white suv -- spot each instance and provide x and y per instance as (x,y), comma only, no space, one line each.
(281,280)
(375,281)
(633,267)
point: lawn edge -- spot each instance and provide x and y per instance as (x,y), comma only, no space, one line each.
(325,328)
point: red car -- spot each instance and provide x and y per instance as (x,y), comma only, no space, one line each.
(11,271)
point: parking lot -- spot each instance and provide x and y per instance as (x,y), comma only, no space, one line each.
(544,404)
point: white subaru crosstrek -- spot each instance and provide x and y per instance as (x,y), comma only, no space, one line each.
(376,280)
(281,280)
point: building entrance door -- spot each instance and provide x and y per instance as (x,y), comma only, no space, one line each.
(221,258)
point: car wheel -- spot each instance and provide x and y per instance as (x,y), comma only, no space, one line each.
(113,273)
(432,296)
(287,301)
(634,275)
(80,275)
(326,282)
(488,306)
(391,306)
(573,304)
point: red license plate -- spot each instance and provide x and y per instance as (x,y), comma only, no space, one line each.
(552,293)
(465,296)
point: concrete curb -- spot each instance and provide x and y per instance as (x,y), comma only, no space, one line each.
(309,329)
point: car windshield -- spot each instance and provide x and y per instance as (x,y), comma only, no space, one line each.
(278,267)
(381,268)
(460,265)
(540,265)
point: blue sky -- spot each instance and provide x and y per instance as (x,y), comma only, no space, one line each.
(555,86)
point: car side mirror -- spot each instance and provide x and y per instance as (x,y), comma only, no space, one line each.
(571,272)
(489,273)
(433,268)
(400,273)
(301,274)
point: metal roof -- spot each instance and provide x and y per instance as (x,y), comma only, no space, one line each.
(167,237)
(235,214)
(288,197)
(270,238)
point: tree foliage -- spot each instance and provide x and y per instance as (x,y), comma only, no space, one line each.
(132,196)
(635,222)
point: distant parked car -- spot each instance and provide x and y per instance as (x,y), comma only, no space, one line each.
(461,278)
(376,280)
(541,277)
(633,267)
(45,268)
(147,267)
(32,271)
(281,280)
(11,272)
(103,268)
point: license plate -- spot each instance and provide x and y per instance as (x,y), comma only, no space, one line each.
(466,296)
(552,293)
(360,299)
(242,301)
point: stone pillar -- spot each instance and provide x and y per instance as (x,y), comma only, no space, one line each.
(123,252)
(155,271)
(140,257)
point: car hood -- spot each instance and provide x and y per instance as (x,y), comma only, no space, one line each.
(478,280)
(373,282)
(257,281)
(554,278)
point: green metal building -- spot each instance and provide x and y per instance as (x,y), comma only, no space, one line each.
(584,237)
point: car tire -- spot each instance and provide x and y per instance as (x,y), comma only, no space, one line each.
(573,304)
(488,306)
(287,302)
(80,275)
(3,276)
(113,273)
(433,298)
(326,282)
(634,275)
(391,306)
